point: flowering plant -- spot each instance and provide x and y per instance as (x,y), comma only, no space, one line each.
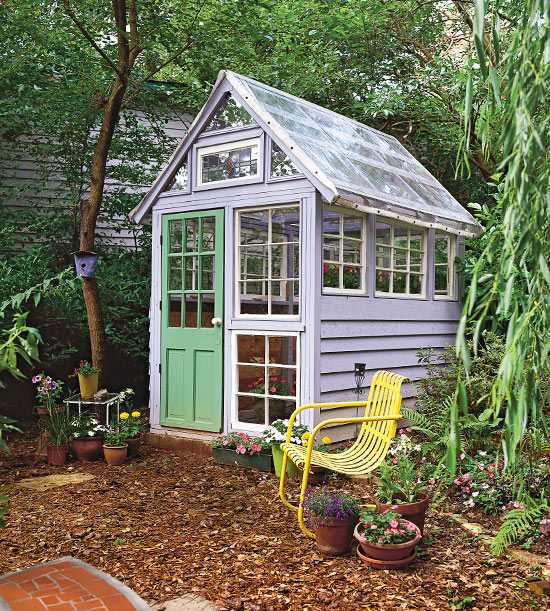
(85,369)
(320,503)
(48,391)
(276,386)
(115,437)
(86,425)
(241,443)
(276,433)
(386,528)
(131,423)
(400,481)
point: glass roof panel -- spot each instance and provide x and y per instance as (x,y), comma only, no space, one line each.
(356,157)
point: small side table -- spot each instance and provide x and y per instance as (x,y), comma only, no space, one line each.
(107,401)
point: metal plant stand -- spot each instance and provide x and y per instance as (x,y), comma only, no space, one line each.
(105,403)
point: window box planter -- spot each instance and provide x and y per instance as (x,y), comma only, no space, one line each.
(260,462)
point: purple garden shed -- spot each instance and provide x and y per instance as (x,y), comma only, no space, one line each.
(289,243)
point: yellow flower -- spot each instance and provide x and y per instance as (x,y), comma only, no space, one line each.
(306,436)
(124,415)
(326,440)
(136,414)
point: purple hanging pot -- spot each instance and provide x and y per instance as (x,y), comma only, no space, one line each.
(85,262)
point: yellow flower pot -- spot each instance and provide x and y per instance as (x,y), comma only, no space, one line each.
(88,385)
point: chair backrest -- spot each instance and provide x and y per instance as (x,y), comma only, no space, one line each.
(384,399)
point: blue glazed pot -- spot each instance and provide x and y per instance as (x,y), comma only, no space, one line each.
(85,262)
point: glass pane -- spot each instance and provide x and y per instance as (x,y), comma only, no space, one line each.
(207,310)
(353,226)
(253,297)
(175,229)
(400,259)
(352,277)
(331,275)
(191,310)
(415,257)
(251,409)
(284,297)
(383,256)
(254,262)
(229,114)
(331,249)
(383,281)
(207,278)
(251,379)
(191,273)
(254,227)
(281,381)
(279,262)
(285,224)
(399,282)
(174,310)
(282,350)
(179,180)
(400,237)
(331,222)
(225,165)
(352,251)
(416,241)
(174,273)
(191,229)
(251,348)
(281,165)
(441,250)
(280,409)
(383,234)
(415,284)
(441,274)
(208,233)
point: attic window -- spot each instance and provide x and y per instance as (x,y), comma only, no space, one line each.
(229,161)
(229,114)
(180,179)
(281,164)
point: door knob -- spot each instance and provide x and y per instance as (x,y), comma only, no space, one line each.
(216,322)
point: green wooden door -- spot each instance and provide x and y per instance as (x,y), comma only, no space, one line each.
(192,320)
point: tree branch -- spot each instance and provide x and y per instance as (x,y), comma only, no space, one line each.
(72,16)
(135,47)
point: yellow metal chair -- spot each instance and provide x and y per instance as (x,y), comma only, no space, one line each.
(378,426)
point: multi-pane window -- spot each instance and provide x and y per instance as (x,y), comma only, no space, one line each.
(343,250)
(228,161)
(268,256)
(445,252)
(400,256)
(281,164)
(266,377)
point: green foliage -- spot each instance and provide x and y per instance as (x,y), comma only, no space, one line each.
(20,342)
(115,437)
(511,278)
(7,425)
(58,426)
(400,482)
(386,528)
(520,523)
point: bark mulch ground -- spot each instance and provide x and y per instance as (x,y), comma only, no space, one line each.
(168,524)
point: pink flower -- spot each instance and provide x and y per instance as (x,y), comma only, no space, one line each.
(273,390)
(373,526)
(225,442)
(244,437)
(240,449)
(466,477)
(394,523)
(255,448)
(35,379)
(411,527)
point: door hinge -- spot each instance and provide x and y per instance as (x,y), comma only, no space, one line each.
(159,367)
(160,305)
(161,239)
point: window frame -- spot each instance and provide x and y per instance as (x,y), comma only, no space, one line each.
(451,268)
(424,271)
(364,252)
(235,423)
(203,148)
(269,177)
(237,265)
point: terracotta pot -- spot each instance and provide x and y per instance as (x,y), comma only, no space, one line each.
(87,449)
(57,455)
(387,551)
(385,564)
(134,444)
(88,385)
(115,455)
(414,512)
(334,536)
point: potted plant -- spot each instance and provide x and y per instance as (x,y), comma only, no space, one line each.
(55,421)
(386,540)
(88,377)
(242,450)
(87,437)
(332,516)
(131,422)
(401,488)
(115,448)
(274,435)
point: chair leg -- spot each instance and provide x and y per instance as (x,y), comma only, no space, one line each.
(282,492)
(305,478)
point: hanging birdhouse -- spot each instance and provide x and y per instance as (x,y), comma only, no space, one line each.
(85,263)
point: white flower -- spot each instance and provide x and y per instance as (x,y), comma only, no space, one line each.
(90,433)
(476,493)
(481,453)
(469,503)
(417,447)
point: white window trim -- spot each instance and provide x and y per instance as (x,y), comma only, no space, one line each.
(363,265)
(423,273)
(223,148)
(451,271)
(237,240)
(234,420)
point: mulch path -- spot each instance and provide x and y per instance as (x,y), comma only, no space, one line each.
(168,524)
